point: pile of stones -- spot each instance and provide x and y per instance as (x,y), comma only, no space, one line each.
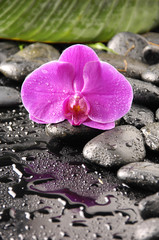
(131,149)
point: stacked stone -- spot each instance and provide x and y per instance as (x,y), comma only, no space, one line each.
(131,149)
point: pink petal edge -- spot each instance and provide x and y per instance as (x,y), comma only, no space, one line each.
(101,126)
(36,120)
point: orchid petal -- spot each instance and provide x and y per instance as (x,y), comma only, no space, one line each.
(78,55)
(107,91)
(102,126)
(44,91)
(36,120)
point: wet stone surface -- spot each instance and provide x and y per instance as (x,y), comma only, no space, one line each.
(148,206)
(139,116)
(147,230)
(143,174)
(7,48)
(64,130)
(48,189)
(157,114)
(18,66)
(9,96)
(47,195)
(151,74)
(119,146)
(128,44)
(145,93)
(151,37)
(128,66)
(151,135)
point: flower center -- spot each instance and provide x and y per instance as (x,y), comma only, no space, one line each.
(76,109)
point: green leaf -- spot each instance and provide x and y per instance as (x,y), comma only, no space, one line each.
(75,20)
(21,46)
(101,46)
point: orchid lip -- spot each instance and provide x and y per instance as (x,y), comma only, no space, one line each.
(76,109)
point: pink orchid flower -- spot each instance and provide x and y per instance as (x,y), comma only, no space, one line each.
(78,87)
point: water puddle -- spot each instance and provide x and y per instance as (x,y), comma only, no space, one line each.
(56,195)
(74,184)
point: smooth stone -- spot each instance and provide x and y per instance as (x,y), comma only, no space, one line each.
(142,174)
(151,135)
(157,114)
(149,206)
(9,96)
(18,66)
(116,147)
(128,44)
(151,54)
(145,93)
(7,49)
(65,130)
(151,74)
(126,65)
(147,230)
(139,116)
(152,37)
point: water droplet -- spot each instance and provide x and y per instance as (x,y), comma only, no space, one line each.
(11,192)
(20,237)
(140,112)
(16,170)
(113,146)
(44,71)
(129,144)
